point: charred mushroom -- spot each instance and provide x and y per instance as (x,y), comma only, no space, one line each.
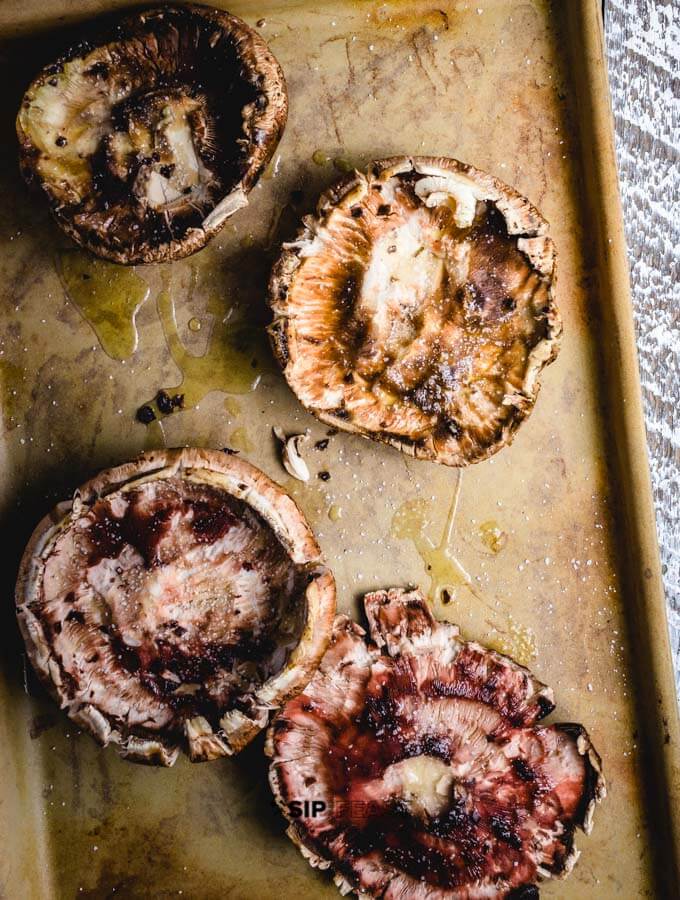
(416,308)
(424,754)
(146,143)
(176,599)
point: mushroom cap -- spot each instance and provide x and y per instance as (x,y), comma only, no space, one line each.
(175,601)
(416,308)
(146,143)
(435,777)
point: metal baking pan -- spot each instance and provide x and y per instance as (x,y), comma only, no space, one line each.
(556,533)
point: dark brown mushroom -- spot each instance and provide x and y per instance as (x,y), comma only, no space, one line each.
(146,143)
(431,773)
(176,600)
(416,308)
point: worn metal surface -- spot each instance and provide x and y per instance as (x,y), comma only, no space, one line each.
(643,54)
(488,83)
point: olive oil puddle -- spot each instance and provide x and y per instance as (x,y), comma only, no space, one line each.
(108,297)
(492,536)
(239,440)
(412,521)
(449,579)
(15,392)
(334,512)
(234,359)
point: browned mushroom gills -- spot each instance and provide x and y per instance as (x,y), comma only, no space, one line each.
(177,599)
(432,775)
(416,308)
(148,142)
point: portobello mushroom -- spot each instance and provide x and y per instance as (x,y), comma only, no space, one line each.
(416,308)
(146,143)
(431,773)
(175,601)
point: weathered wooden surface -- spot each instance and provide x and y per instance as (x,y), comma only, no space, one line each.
(643,49)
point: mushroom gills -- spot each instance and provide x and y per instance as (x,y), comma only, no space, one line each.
(416,308)
(177,608)
(436,775)
(161,154)
(146,142)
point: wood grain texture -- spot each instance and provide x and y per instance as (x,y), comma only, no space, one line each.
(643,51)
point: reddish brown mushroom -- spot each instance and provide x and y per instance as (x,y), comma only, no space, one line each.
(432,776)
(175,601)
(416,308)
(147,142)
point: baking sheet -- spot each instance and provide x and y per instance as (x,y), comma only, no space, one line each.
(550,551)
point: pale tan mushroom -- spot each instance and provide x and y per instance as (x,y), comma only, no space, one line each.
(175,602)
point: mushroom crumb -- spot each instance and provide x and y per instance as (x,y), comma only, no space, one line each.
(165,406)
(145,414)
(164,402)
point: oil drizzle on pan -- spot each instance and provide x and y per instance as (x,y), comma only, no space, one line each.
(154,438)
(239,440)
(232,362)
(232,406)
(413,521)
(108,297)
(447,575)
(492,536)
(14,391)
(334,512)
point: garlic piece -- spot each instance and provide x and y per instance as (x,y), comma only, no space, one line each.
(291,459)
